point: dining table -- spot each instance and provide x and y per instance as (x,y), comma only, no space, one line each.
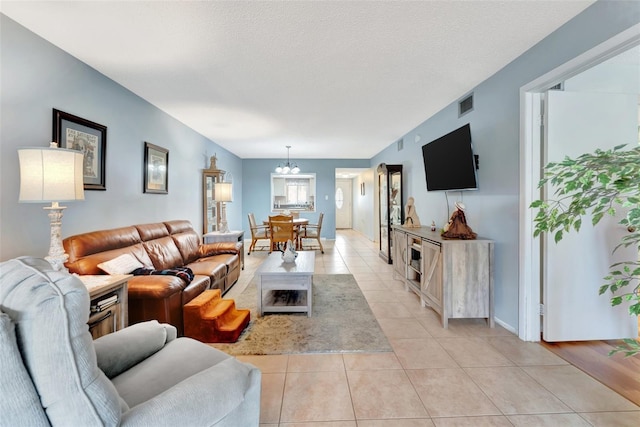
(297,223)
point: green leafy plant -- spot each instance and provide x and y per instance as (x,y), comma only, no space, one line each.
(598,184)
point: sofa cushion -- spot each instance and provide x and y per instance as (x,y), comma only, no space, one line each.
(152,231)
(51,310)
(224,394)
(216,270)
(81,245)
(142,382)
(188,242)
(231,261)
(163,253)
(20,404)
(178,226)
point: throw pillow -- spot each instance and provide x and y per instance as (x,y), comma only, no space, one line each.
(123,264)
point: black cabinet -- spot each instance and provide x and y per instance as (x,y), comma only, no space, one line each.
(391,205)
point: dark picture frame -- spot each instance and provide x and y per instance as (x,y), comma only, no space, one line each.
(156,169)
(80,134)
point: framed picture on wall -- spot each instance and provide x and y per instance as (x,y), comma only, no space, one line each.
(156,169)
(80,134)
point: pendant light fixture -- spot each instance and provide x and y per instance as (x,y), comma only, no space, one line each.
(288,167)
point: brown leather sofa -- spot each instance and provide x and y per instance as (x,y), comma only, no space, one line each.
(163,245)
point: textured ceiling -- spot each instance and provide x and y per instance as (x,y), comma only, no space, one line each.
(339,79)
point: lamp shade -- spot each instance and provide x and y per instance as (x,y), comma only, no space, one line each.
(50,175)
(223,192)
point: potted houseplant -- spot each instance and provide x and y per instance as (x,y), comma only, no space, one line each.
(599,184)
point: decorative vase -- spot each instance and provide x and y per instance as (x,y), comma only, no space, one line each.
(289,254)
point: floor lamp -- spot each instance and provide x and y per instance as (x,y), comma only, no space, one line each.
(223,193)
(51,175)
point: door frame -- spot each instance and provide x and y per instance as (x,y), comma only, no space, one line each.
(530,248)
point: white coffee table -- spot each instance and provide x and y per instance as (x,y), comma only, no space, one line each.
(276,275)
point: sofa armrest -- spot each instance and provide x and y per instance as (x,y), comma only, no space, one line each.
(202,399)
(119,351)
(219,248)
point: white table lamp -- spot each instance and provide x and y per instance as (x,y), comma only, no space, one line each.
(51,175)
(223,193)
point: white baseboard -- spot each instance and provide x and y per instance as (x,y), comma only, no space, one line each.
(506,326)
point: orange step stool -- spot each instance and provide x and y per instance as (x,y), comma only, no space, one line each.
(210,318)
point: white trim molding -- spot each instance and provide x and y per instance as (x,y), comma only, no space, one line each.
(531,162)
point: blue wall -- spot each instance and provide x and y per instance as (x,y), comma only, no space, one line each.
(257,189)
(493,210)
(37,77)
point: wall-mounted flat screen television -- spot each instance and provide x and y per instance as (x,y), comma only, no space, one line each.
(449,163)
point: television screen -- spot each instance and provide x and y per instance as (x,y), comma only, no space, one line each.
(449,163)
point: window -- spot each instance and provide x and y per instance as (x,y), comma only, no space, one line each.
(293,192)
(339,198)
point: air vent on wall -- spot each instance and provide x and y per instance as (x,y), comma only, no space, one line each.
(400,144)
(465,105)
(559,86)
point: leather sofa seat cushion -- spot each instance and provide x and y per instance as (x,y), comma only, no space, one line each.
(197,286)
(231,261)
(208,267)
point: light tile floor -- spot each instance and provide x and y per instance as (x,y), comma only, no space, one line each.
(466,375)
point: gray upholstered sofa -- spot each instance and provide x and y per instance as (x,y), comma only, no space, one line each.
(52,373)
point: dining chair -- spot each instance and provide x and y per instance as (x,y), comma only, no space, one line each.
(281,230)
(258,232)
(312,231)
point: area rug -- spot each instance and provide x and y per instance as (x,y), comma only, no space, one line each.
(341,322)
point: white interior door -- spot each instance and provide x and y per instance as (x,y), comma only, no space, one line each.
(344,203)
(574,267)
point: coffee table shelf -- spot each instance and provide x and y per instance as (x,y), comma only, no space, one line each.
(276,278)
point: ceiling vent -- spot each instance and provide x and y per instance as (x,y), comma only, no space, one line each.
(465,105)
(400,144)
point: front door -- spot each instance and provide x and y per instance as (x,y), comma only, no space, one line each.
(344,203)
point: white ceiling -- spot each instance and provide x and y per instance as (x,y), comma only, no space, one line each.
(339,79)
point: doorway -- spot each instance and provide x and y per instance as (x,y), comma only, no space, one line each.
(532,157)
(344,203)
